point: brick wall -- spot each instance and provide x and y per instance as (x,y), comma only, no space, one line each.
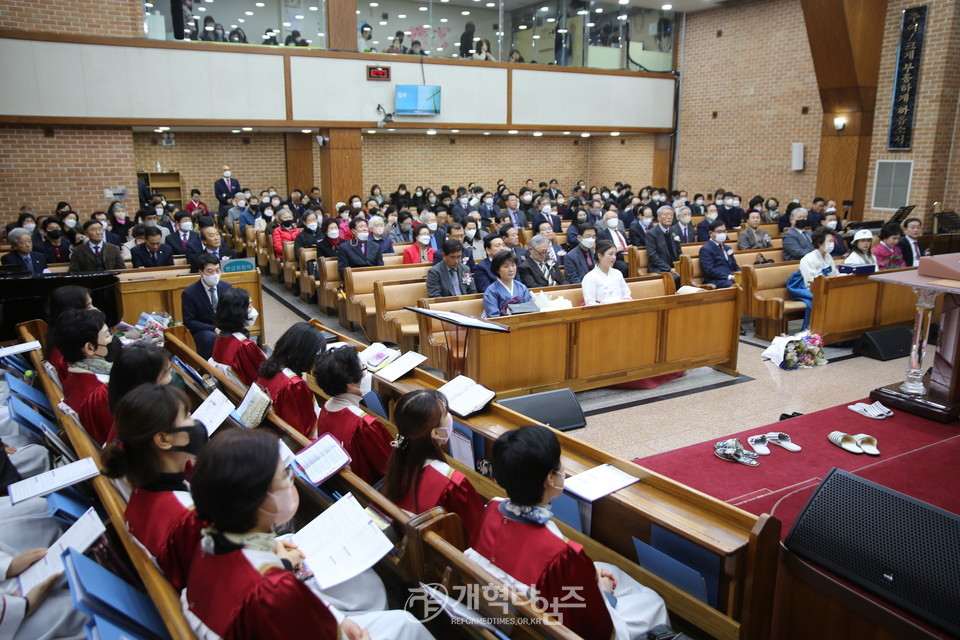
(199,158)
(936,167)
(756,77)
(432,161)
(75,165)
(120,18)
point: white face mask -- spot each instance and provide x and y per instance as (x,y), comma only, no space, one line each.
(561,200)
(488,201)
(419,193)
(547,208)
(366,383)
(432,199)
(424,239)
(612,223)
(333,234)
(70,223)
(527,197)
(211,281)
(646,221)
(711,216)
(606,195)
(830,210)
(700,202)
(830,224)
(720,237)
(378,231)
(432,226)
(464,200)
(312,226)
(226,174)
(736,203)
(252,317)
(446,428)
(186,226)
(589,242)
(685,220)
(718,201)
(728,202)
(30,227)
(474,201)
(828,247)
(273,193)
(362,236)
(471,233)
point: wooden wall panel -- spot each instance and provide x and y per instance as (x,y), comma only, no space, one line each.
(342,25)
(341,165)
(299,152)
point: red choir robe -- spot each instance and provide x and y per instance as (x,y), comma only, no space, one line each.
(56,359)
(537,555)
(87,395)
(362,435)
(442,486)
(292,400)
(249,594)
(166,524)
(241,354)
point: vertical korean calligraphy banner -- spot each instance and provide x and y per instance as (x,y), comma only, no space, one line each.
(903,111)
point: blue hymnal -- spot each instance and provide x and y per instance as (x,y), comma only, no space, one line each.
(24,415)
(187,369)
(706,562)
(68,506)
(15,362)
(29,394)
(374,403)
(566,509)
(673,571)
(99,628)
(856,269)
(96,591)
(476,439)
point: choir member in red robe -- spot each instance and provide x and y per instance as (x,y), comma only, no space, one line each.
(62,298)
(341,376)
(242,582)
(418,478)
(519,543)
(83,337)
(156,439)
(281,375)
(234,348)
(136,364)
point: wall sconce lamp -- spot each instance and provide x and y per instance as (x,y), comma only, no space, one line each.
(839,122)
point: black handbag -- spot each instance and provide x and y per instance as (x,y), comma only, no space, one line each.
(761,260)
(522,307)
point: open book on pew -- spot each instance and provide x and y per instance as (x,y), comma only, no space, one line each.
(322,458)
(97,592)
(53,480)
(377,356)
(80,536)
(253,407)
(466,396)
(214,411)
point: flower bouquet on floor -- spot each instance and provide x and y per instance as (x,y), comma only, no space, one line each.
(802,350)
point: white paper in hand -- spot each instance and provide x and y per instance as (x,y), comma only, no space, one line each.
(53,480)
(83,533)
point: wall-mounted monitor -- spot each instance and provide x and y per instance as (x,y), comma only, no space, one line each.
(417,100)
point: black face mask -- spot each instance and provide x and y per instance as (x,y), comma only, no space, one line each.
(113,349)
(198,438)
(54,234)
(286,224)
(801,223)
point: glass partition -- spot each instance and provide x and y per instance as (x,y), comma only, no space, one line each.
(611,34)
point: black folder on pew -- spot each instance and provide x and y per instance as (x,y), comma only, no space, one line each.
(456,328)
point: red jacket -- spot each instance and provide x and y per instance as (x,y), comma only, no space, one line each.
(281,235)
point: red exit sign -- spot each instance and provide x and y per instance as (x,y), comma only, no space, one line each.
(378,73)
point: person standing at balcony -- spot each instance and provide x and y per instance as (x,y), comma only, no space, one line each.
(225,188)
(365,41)
(466,41)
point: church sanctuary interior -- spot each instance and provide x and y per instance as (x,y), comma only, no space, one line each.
(480,319)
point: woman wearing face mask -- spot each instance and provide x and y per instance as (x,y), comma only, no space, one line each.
(281,375)
(242,583)
(473,238)
(310,234)
(401,197)
(487,210)
(819,262)
(83,338)
(697,207)
(285,232)
(604,284)
(29,222)
(71,228)
(342,377)
(376,194)
(265,219)
(156,439)
(61,299)
(402,232)
(328,238)
(432,200)
(419,197)
(418,478)
(832,221)
(420,251)
(771,210)
(234,349)
(378,228)
(119,220)
(640,227)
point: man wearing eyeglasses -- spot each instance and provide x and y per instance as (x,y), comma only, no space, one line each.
(538,270)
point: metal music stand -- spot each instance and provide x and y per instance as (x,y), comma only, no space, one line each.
(456,328)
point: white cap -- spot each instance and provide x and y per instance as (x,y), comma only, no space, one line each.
(863,234)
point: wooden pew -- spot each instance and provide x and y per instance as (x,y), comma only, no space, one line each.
(394,322)
(691,273)
(766,298)
(637,261)
(250,240)
(264,249)
(291,266)
(846,307)
(276,264)
(358,289)
(166,599)
(308,281)
(164,294)
(330,283)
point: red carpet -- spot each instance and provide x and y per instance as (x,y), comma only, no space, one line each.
(919,457)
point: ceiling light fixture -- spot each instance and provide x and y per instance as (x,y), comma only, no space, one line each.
(513,131)
(537,134)
(584,135)
(431,132)
(247,128)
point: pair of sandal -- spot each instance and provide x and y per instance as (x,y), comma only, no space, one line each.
(733,451)
(760,443)
(875,411)
(860,443)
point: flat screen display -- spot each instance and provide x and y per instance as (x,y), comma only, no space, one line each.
(417,100)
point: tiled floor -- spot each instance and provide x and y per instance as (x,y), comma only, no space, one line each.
(667,424)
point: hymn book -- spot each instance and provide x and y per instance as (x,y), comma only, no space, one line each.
(322,458)
(466,396)
(53,480)
(253,407)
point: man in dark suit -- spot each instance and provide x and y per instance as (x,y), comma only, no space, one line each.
(184,241)
(684,229)
(703,228)
(450,277)
(716,259)
(640,227)
(511,242)
(108,235)
(909,246)
(152,253)
(95,255)
(517,217)
(611,232)
(462,208)
(199,301)
(545,214)
(796,240)
(211,243)
(482,273)
(23,255)
(580,260)
(537,271)
(361,251)
(456,231)
(55,247)
(225,188)
(662,249)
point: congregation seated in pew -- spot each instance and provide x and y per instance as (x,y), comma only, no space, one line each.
(752,236)
(199,302)
(450,276)
(860,249)
(82,337)
(538,270)
(506,289)
(341,375)
(233,347)
(282,376)
(716,258)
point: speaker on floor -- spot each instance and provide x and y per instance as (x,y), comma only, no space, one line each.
(899,548)
(560,408)
(885,344)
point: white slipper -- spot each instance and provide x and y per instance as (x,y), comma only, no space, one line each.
(867,443)
(845,441)
(880,407)
(759,444)
(781,439)
(867,411)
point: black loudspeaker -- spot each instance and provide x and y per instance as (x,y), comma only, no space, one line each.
(894,546)
(885,344)
(559,409)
